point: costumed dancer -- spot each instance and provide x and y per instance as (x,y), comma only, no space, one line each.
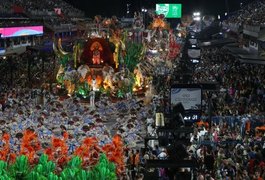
(94,83)
(160,121)
(138,76)
(92,95)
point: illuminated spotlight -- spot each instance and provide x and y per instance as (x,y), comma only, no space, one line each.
(219,17)
(144,10)
(193,45)
(196,14)
(4,57)
(225,13)
(179,34)
(154,51)
(195,61)
(197,18)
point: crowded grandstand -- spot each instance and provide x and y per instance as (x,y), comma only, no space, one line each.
(127,98)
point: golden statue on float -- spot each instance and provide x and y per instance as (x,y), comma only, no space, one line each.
(119,45)
(97,49)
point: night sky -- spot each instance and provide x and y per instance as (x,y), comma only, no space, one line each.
(107,8)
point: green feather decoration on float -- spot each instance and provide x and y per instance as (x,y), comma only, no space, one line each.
(104,170)
(20,169)
(133,55)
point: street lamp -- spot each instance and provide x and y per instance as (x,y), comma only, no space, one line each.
(128,9)
(144,11)
(196,16)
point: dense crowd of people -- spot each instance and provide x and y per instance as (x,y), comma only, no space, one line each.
(21,109)
(27,69)
(234,149)
(225,145)
(249,14)
(225,153)
(55,13)
(44,8)
(242,85)
(226,149)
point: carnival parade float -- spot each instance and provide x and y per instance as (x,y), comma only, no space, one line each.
(116,64)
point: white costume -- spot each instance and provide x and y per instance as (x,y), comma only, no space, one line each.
(92,95)
(94,85)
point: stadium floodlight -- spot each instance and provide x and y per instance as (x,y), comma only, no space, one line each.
(197,18)
(196,14)
(144,10)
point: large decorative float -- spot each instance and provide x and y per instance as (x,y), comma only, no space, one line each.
(110,61)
